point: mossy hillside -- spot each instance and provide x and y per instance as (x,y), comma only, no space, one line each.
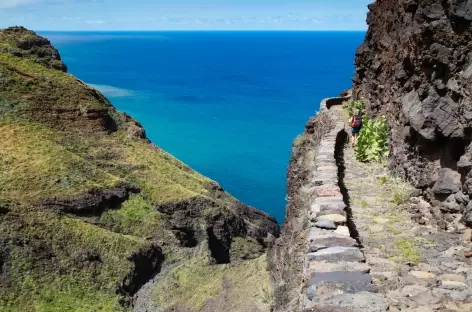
(64,253)
(34,166)
(191,284)
(30,89)
(59,294)
(60,140)
(136,217)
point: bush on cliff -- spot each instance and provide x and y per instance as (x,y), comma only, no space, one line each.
(352,106)
(372,143)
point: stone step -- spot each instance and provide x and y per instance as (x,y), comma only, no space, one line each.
(326,174)
(332,210)
(326,224)
(320,181)
(334,203)
(338,219)
(328,191)
(325,308)
(329,162)
(342,266)
(326,148)
(320,290)
(326,209)
(339,277)
(335,254)
(326,158)
(332,241)
(315,232)
(359,302)
(326,161)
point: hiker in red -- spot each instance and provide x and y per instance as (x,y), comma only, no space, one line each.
(356,125)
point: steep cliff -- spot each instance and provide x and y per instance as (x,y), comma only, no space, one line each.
(415,67)
(90,211)
(287,257)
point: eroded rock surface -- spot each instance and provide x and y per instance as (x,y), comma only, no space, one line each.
(415,67)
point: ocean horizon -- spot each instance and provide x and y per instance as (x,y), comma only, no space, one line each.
(227,103)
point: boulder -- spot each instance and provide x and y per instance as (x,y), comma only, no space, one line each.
(467,218)
(449,182)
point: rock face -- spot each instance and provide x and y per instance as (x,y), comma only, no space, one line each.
(415,67)
(92,213)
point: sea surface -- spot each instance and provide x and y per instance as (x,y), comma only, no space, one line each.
(229,104)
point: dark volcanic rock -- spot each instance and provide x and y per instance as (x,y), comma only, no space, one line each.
(200,219)
(92,203)
(146,264)
(449,182)
(421,50)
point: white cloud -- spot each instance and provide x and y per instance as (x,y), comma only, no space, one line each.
(98,22)
(13,3)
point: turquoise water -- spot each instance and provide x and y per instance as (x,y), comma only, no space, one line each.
(229,104)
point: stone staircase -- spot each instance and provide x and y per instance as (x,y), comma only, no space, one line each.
(336,274)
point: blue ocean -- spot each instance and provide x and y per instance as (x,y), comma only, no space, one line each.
(228,104)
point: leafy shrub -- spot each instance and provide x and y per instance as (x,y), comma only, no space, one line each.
(372,143)
(352,106)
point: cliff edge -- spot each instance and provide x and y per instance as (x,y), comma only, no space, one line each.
(95,218)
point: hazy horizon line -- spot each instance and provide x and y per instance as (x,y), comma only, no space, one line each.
(203,30)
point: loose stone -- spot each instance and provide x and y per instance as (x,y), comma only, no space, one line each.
(326,224)
(342,230)
(453,285)
(422,275)
(453,277)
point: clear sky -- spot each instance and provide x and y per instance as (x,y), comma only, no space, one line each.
(185,14)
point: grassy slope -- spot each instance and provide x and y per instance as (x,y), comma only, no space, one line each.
(191,284)
(52,145)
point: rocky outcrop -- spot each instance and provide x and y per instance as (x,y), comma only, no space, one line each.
(200,220)
(25,43)
(415,67)
(93,203)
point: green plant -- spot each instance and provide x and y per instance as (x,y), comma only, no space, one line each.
(406,248)
(400,190)
(372,143)
(352,106)
(383,180)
